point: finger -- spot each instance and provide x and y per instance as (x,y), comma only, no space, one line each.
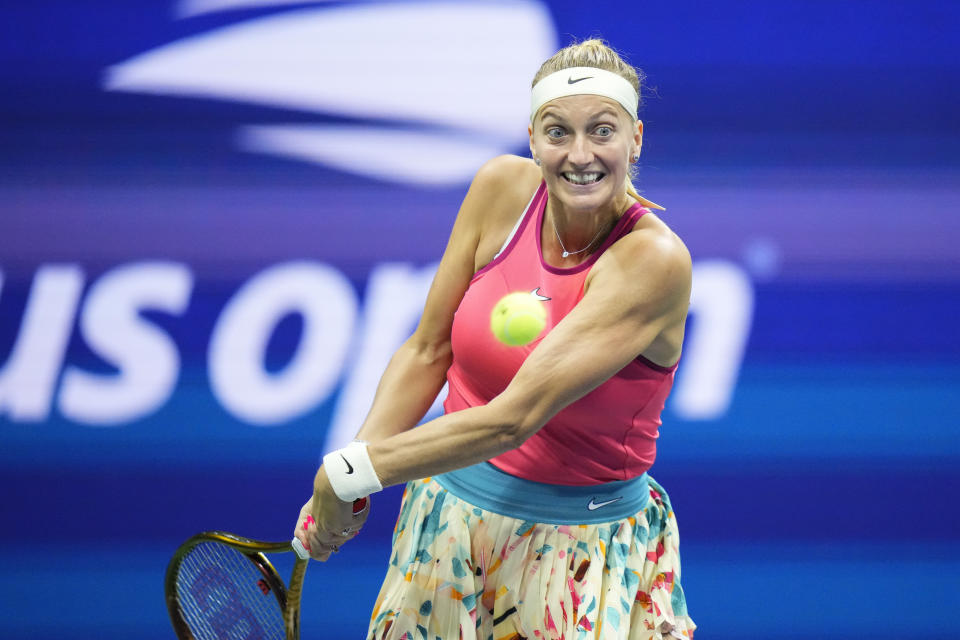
(322,552)
(327,540)
(301,543)
(325,536)
(303,535)
(303,526)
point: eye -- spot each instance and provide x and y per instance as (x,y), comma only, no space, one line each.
(604,131)
(555,133)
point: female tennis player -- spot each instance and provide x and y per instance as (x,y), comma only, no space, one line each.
(528,512)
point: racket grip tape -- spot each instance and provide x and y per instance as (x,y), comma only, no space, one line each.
(299,549)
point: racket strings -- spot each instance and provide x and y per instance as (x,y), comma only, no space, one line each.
(223,596)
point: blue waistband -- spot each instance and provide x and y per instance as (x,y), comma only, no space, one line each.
(485,486)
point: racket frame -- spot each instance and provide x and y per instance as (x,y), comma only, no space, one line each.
(288,597)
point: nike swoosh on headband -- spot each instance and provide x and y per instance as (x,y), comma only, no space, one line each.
(570,80)
(593,506)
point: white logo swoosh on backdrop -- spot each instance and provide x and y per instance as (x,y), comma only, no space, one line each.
(453,96)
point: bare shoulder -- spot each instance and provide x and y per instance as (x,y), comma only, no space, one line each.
(499,190)
(497,197)
(651,260)
(657,241)
(504,180)
(508,167)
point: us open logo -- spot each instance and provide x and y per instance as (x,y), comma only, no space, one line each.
(457,115)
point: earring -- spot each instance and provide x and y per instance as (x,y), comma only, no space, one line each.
(636,157)
(536,160)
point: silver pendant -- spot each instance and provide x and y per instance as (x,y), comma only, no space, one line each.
(566,253)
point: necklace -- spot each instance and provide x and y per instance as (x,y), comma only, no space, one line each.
(573,253)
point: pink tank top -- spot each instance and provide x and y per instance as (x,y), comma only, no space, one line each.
(609,434)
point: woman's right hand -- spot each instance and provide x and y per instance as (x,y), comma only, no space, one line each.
(319,542)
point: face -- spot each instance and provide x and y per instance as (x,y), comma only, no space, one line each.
(585,144)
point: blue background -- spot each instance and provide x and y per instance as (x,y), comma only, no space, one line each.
(811,144)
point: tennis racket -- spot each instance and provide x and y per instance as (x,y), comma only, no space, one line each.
(221,586)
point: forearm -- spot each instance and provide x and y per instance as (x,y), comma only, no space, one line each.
(449,442)
(407,389)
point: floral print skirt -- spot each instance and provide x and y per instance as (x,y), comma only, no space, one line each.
(460,572)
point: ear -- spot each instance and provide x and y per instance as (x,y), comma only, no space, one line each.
(638,137)
(530,133)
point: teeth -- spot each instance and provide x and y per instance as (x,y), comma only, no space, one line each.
(582,178)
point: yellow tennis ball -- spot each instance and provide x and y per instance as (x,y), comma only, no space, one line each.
(517,319)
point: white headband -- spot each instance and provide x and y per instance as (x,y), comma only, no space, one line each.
(577,81)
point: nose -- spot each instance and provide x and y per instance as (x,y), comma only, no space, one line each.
(581,151)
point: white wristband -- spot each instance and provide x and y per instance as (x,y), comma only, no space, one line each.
(351,473)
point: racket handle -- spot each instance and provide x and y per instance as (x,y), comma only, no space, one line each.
(299,549)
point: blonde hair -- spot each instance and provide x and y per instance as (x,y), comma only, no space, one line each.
(591,53)
(598,54)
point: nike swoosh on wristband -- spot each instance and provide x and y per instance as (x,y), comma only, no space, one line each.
(347,462)
(593,506)
(570,80)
